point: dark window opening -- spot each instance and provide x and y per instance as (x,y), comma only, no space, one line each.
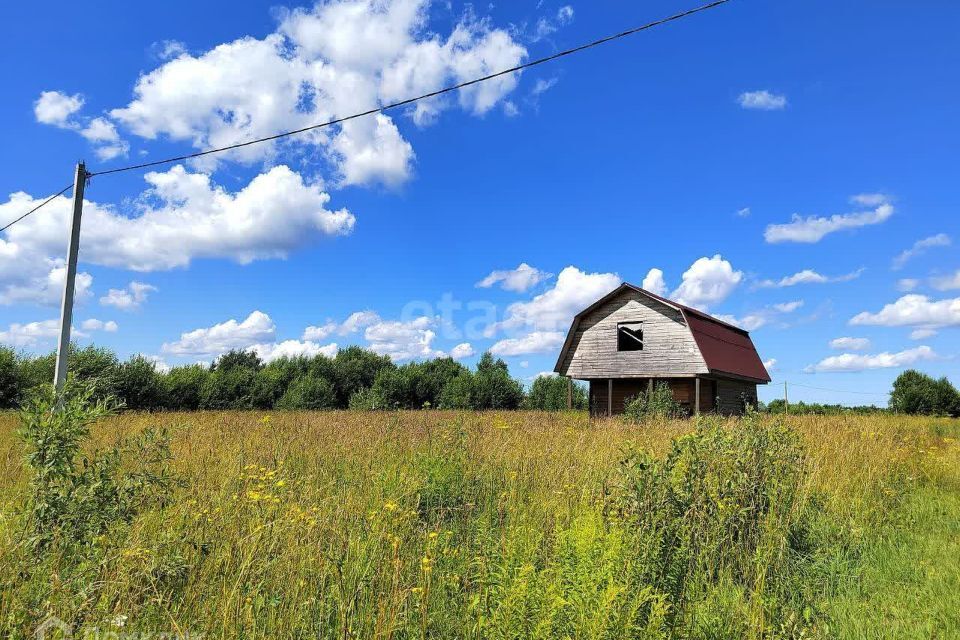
(630,336)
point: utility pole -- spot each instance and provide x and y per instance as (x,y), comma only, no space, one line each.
(786,400)
(73,248)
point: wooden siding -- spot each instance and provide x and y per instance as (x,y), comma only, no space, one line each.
(668,350)
(721,395)
(732,394)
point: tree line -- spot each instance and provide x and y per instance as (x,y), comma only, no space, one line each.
(355,378)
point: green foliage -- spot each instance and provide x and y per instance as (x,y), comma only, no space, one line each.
(493,388)
(138,384)
(549,393)
(182,387)
(76,496)
(658,404)
(237,359)
(229,388)
(916,393)
(308,392)
(717,510)
(778,407)
(353,369)
(458,393)
(10,382)
(97,367)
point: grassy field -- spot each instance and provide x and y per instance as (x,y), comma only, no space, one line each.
(509,525)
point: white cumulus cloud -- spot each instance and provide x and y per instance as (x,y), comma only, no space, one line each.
(521,279)
(708,281)
(56,108)
(134,295)
(403,340)
(533,342)
(913,310)
(762,100)
(462,350)
(270,351)
(182,216)
(654,282)
(554,309)
(861,362)
(92,324)
(812,229)
(853,344)
(256,329)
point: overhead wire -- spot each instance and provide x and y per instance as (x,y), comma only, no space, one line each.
(393,105)
(36,208)
(432,94)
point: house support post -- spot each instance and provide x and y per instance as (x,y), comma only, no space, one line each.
(696,396)
(569,393)
(610,397)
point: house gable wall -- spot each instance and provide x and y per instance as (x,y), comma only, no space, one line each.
(669,348)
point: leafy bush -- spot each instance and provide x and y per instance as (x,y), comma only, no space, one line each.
(458,393)
(549,393)
(183,386)
(493,388)
(229,388)
(658,403)
(916,393)
(138,384)
(77,496)
(308,392)
(717,509)
(9,378)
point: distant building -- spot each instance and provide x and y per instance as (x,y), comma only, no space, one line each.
(631,339)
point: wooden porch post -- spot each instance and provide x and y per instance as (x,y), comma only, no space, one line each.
(696,395)
(569,393)
(610,397)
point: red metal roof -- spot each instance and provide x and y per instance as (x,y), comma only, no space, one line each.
(725,348)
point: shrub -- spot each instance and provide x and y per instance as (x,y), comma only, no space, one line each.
(237,359)
(182,387)
(308,392)
(97,367)
(138,385)
(458,392)
(351,370)
(493,388)
(76,496)
(549,393)
(721,507)
(10,384)
(658,403)
(367,400)
(918,394)
(228,389)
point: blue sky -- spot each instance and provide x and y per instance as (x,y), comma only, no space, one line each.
(773,161)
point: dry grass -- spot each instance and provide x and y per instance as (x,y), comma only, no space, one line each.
(397,524)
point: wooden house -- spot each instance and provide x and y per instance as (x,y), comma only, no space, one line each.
(631,339)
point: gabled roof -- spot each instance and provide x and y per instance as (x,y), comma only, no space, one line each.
(724,347)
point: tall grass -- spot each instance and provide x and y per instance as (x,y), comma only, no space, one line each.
(486,525)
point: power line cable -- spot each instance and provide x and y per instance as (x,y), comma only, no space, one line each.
(432,94)
(861,393)
(36,208)
(394,105)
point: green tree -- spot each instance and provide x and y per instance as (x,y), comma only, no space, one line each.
(96,367)
(10,383)
(230,388)
(309,392)
(237,359)
(139,385)
(182,387)
(458,392)
(493,387)
(916,393)
(351,370)
(549,393)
